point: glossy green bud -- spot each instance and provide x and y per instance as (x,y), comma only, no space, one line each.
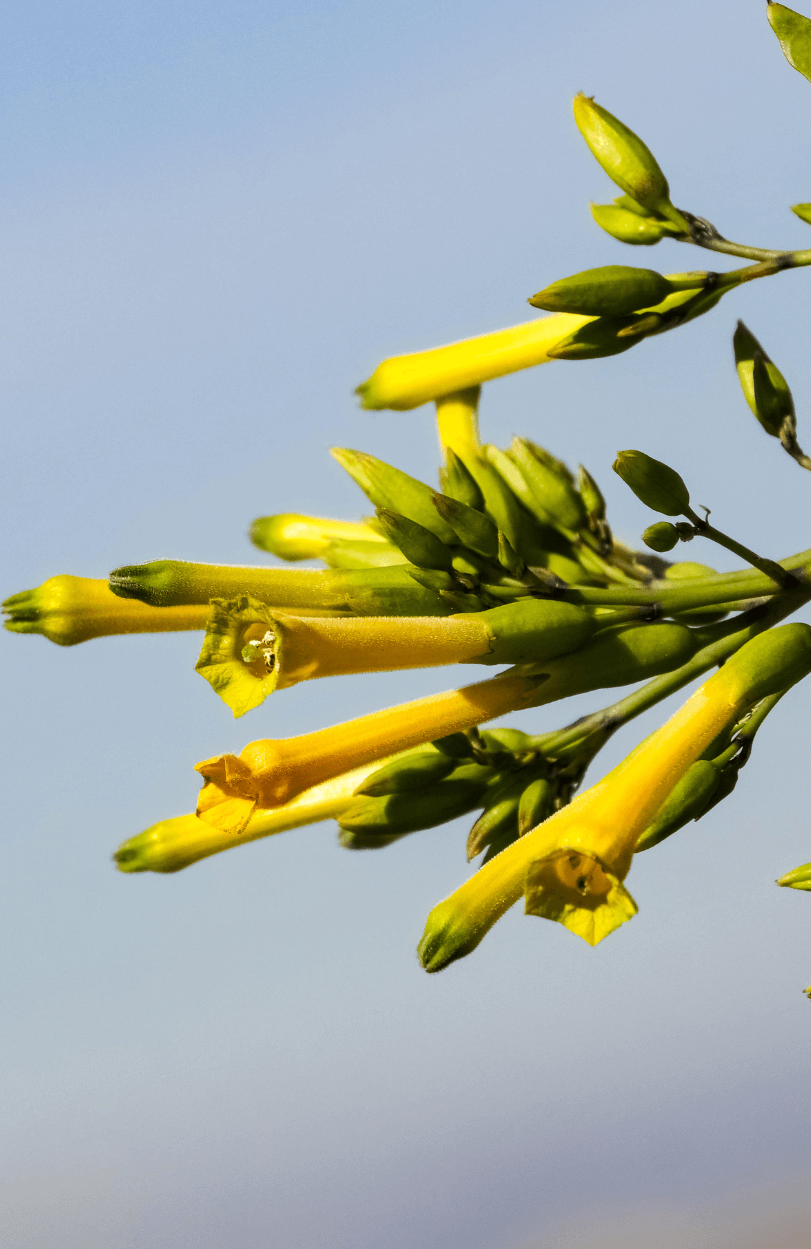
(661,537)
(610,291)
(458,483)
(799,878)
(500,503)
(390,488)
(498,823)
(552,492)
(794,34)
(803,211)
(414,771)
(472,528)
(626,159)
(591,495)
(400,813)
(655,484)
(347,554)
(596,340)
(687,801)
(418,544)
(536,803)
(629,227)
(763,385)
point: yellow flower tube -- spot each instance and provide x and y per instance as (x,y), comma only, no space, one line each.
(457,418)
(270,773)
(404,382)
(173,844)
(571,866)
(68,610)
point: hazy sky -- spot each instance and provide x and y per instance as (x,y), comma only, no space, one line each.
(215,220)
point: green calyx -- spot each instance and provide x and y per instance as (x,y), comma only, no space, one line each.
(655,484)
(629,226)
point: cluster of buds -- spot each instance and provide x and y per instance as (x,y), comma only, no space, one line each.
(510,561)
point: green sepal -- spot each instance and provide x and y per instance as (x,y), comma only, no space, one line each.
(609,291)
(472,528)
(418,544)
(687,801)
(388,487)
(596,340)
(794,35)
(240,684)
(578,891)
(655,484)
(458,483)
(414,771)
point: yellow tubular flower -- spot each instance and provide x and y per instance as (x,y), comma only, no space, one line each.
(291,536)
(405,382)
(457,418)
(68,610)
(571,866)
(176,843)
(270,773)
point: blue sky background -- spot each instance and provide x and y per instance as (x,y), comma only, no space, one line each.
(214,221)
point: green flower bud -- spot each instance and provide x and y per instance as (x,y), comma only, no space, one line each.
(458,483)
(626,160)
(498,823)
(611,290)
(770,662)
(418,544)
(536,804)
(661,537)
(794,34)
(654,483)
(390,488)
(628,227)
(372,820)
(591,495)
(763,385)
(596,340)
(414,771)
(687,801)
(552,491)
(799,878)
(472,528)
(803,211)
(500,503)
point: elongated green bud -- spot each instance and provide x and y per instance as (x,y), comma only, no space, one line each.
(458,483)
(794,34)
(400,813)
(418,544)
(799,878)
(595,340)
(349,554)
(661,537)
(552,493)
(629,227)
(655,484)
(610,291)
(533,630)
(413,771)
(591,495)
(535,805)
(472,528)
(803,211)
(68,610)
(626,159)
(687,801)
(388,487)
(500,503)
(618,656)
(291,536)
(498,822)
(763,385)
